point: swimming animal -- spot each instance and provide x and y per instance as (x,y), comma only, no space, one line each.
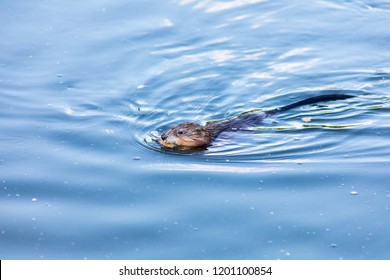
(189,135)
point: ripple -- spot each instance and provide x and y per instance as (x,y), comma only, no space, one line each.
(203,76)
(285,136)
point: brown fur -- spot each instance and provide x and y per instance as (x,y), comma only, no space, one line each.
(187,134)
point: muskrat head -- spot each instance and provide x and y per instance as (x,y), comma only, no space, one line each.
(185,136)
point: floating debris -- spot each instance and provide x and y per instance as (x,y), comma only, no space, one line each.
(307,119)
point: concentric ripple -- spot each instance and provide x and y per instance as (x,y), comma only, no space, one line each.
(313,132)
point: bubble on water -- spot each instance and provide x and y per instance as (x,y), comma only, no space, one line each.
(353,192)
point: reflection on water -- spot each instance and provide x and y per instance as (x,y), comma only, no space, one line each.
(217,6)
(86,88)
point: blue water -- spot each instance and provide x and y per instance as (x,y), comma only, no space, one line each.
(86,88)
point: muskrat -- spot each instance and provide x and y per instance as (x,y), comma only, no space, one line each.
(189,135)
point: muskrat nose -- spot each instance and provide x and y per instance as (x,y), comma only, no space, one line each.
(163,137)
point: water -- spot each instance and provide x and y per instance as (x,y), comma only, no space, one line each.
(86,88)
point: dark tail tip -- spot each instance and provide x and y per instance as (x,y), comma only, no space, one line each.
(313,100)
(335,96)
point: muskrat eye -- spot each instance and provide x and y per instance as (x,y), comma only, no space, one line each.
(180,132)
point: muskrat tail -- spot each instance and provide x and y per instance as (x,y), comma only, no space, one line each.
(311,100)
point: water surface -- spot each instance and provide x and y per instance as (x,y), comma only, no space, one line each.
(86,88)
